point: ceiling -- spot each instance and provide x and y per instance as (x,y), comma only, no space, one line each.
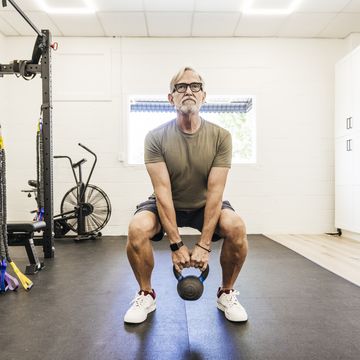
(185,18)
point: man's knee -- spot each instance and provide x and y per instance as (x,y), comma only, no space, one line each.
(235,245)
(142,228)
(234,230)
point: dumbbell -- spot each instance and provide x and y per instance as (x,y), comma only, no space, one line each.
(190,287)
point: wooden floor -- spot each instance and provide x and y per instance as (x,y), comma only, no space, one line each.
(336,254)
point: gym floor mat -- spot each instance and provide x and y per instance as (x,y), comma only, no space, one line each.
(297,310)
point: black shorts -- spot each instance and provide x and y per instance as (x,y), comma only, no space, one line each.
(184,218)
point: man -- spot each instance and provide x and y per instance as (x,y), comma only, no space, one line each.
(188,160)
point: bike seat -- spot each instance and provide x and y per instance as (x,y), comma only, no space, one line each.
(33,183)
(75,165)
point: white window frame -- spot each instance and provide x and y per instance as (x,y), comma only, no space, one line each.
(124,153)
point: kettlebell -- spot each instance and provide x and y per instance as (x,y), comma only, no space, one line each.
(190,287)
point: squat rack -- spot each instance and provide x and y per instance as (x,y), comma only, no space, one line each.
(28,70)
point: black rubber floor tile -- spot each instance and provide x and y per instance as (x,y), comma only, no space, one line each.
(297,310)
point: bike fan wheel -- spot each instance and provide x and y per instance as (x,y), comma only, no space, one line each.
(96,209)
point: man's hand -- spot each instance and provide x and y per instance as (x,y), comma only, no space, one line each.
(181,258)
(199,258)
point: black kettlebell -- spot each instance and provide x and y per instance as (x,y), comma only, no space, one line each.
(190,287)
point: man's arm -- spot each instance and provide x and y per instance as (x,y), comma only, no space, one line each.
(215,190)
(216,184)
(161,183)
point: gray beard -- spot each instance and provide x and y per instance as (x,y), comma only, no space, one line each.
(187,108)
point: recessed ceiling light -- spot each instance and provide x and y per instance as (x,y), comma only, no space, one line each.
(250,9)
(88,8)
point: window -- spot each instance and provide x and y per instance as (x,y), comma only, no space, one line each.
(234,113)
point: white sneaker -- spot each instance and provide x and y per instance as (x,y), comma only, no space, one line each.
(143,304)
(229,304)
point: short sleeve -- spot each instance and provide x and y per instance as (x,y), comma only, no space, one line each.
(152,149)
(224,152)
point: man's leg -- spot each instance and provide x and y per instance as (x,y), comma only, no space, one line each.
(232,257)
(142,228)
(235,246)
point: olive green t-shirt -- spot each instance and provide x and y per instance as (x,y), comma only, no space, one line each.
(189,158)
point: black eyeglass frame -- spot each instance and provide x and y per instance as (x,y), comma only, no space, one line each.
(188,85)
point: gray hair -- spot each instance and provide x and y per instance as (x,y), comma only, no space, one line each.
(180,73)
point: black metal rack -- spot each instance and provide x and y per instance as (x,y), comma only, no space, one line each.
(28,69)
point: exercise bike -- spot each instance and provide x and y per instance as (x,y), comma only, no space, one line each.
(85,209)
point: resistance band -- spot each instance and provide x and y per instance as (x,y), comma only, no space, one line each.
(40,170)
(7,282)
(3,265)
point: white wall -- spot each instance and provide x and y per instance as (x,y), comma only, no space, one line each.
(352,41)
(291,188)
(2,47)
(2,86)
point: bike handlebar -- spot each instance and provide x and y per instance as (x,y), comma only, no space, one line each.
(87,149)
(71,163)
(72,167)
(93,165)
(64,157)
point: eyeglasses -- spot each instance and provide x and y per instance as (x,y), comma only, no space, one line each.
(182,87)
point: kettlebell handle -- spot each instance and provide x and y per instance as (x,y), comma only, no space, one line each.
(201,277)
